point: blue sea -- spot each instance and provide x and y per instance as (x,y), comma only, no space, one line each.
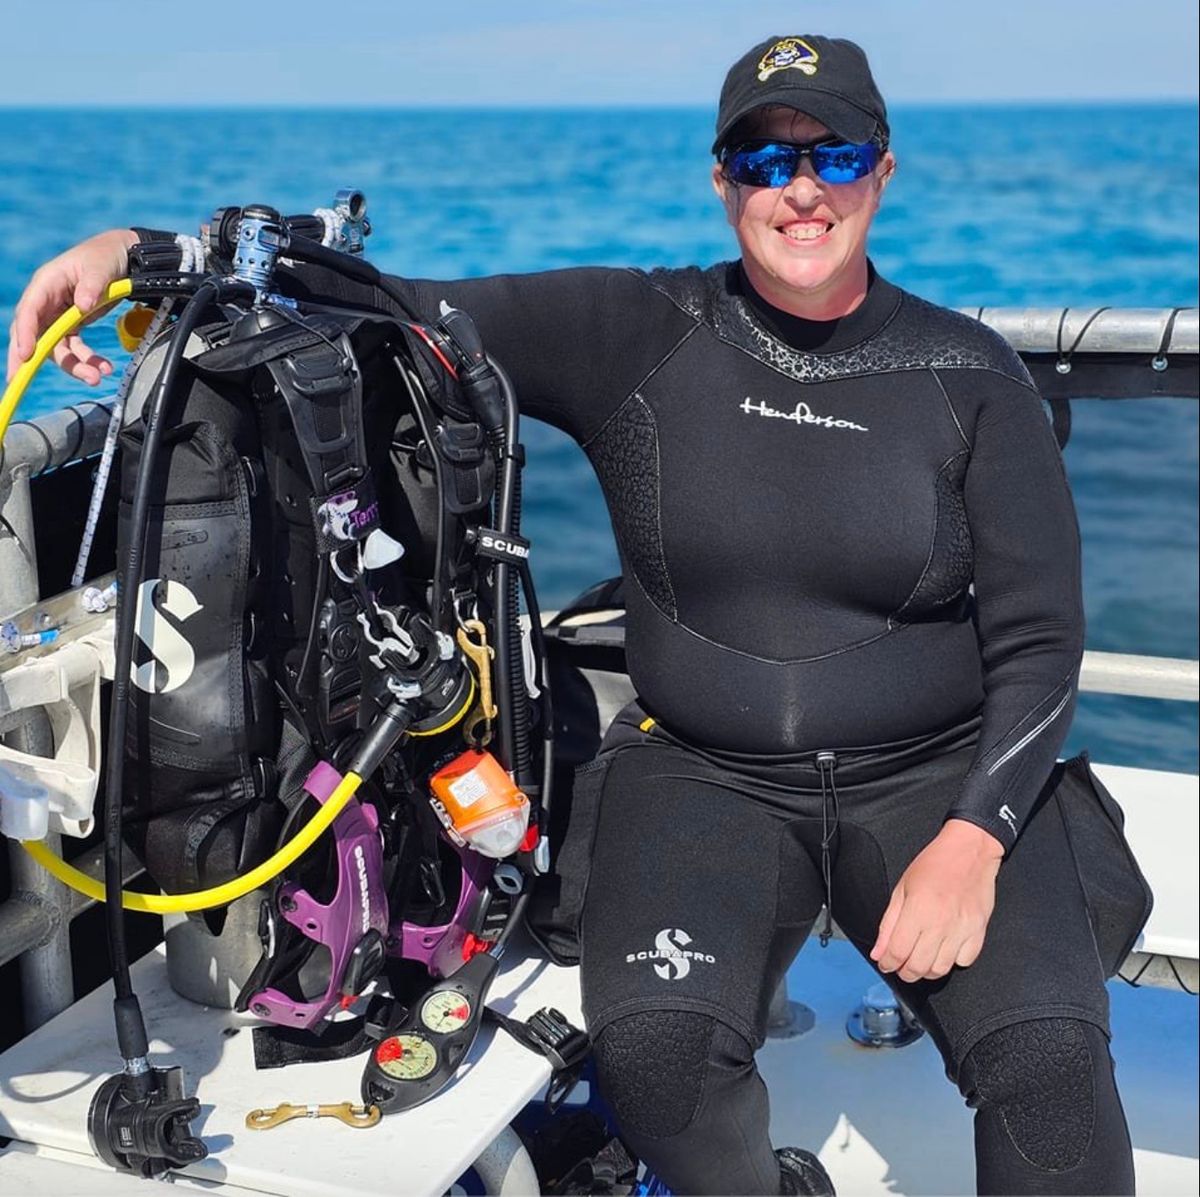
(991,206)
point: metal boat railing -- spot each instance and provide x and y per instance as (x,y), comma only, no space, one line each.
(1169,332)
(35,919)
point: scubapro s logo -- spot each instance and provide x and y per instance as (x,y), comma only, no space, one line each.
(677,966)
(671,946)
(169,649)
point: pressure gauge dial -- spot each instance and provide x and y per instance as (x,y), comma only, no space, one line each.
(445,1011)
(406,1057)
(427,1042)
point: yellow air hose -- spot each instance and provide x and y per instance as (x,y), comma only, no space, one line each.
(218,895)
(64,326)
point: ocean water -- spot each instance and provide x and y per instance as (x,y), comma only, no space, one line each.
(1014,206)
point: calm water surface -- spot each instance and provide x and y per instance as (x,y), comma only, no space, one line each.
(1076,206)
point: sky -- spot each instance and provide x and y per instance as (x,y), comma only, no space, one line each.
(558,53)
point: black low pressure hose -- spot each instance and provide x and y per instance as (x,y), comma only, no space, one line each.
(547,702)
(510,661)
(131,1031)
(425,420)
(510,665)
(515,918)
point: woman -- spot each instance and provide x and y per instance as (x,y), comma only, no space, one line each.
(855,628)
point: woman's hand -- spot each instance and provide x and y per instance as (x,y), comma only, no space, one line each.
(78,276)
(940,907)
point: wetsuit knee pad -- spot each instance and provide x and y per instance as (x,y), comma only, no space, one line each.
(651,1067)
(1038,1081)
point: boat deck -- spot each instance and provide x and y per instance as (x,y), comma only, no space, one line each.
(49,1078)
(884,1120)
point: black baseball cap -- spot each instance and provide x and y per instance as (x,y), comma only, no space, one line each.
(826,77)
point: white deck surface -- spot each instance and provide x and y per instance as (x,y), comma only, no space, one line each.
(47,1081)
(32,1171)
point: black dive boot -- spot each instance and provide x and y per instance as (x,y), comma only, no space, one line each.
(801,1172)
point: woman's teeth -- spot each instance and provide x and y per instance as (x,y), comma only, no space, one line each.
(806,232)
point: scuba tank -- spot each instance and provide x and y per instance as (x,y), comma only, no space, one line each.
(319,597)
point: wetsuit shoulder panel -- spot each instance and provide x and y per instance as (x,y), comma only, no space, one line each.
(918,335)
(576,342)
(951,341)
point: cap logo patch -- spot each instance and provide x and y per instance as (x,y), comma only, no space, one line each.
(792,52)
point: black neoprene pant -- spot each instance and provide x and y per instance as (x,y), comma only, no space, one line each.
(681,957)
(1048,1118)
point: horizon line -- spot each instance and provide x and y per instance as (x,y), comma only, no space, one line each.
(586,106)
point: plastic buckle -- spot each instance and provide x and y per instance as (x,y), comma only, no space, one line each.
(394,647)
(564,1045)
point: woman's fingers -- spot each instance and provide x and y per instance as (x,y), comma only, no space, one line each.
(47,295)
(76,358)
(901,942)
(969,952)
(90,290)
(945,959)
(920,960)
(14,354)
(80,276)
(887,924)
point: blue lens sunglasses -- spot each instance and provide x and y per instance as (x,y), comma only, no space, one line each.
(775,163)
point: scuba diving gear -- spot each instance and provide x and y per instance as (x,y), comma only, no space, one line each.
(353,926)
(278,654)
(481,655)
(550,1034)
(1048,1118)
(424,1046)
(145,1131)
(144,1106)
(137,330)
(479,806)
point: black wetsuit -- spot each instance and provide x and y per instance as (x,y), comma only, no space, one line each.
(854,611)
(799,558)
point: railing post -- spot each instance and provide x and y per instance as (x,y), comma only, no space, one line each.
(47,982)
